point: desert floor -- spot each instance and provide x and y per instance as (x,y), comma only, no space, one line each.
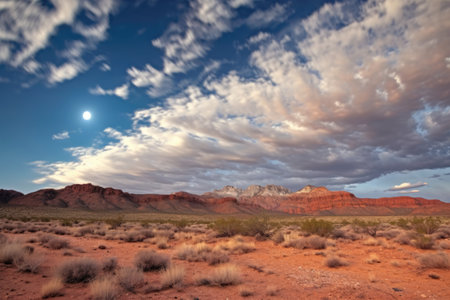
(374,267)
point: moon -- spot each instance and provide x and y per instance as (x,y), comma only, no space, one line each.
(87,115)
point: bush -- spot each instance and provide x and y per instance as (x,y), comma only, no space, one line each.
(114,223)
(130,278)
(258,225)
(438,260)
(366,227)
(425,225)
(58,243)
(11,252)
(148,260)
(312,242)
(317,227)
(228,227)
(53,288)
(172,276)
(78,270)
(373,259)
(29,263)
(109,264)
(217,257)
(104,289)
(335,262)
(423,242)
(224,275)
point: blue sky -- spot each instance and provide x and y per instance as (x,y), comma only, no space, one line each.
(194,95)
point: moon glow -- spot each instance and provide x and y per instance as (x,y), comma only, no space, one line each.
(87,115)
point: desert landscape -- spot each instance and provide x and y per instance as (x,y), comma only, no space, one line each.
(214,250)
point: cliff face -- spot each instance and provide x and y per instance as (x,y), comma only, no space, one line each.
(309,200)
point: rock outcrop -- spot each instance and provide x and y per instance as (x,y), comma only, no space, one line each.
(309,200)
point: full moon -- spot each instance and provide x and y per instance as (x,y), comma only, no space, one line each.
(87,115)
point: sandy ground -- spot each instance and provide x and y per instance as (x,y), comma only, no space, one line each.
(290,272)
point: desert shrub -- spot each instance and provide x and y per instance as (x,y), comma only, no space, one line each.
(317,227)
(389,234)
(148,260)
(438,260)
(130,278)
(443,232)
(78,270)
(86,230)
(444,245)
(161,243)
(57,243)
(29,263)
(238,246)
(228,227)
(53,288)
(109,264)
(423,242)
(257,225)
(426,225)
(405,238)
(132,236)
(335,262)
(66,222)
(278,237)
(11,252)
(3,238)
(186,252)
(147,233)
(312,242)
(402,223)
(370,242)
(104,289)
(216,257)
(366,227)
(114,222)
(172,276)
(223,275)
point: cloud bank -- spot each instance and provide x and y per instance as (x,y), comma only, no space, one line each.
(345,96)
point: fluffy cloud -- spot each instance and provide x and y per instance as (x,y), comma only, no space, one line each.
(407,186)
(61,136)
(120,91)
(27,26)
(312,114)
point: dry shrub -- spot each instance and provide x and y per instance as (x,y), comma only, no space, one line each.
(389,234)
(245,291)
(395,263)
(278,237)
(444,245)
(238,246)
(58,243)
(148,260)
(172,276)
(78,270)
(161,243)
(132,236)
(370,242)
(85,230)
(197,252)
(104,289)
(223,275)
(53,288)
(373,259)
(216,257)
(438,260)
(109,264)
(11,252)
(131,278)
(29,263)
(335,262)
(3,238)
(312,242)
(423,242)
(405,238)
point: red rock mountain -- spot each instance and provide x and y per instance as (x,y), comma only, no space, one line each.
(309,200)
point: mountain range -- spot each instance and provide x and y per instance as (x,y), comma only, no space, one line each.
(309,200)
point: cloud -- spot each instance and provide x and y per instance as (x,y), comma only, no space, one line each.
(258,38)
(105,67)
(407,186)
(61,136)
(409,192)
(276,14)
(310,113)
(120,91)
(185,42)
(27,27)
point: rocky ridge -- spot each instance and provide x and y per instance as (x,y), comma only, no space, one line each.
(309,200)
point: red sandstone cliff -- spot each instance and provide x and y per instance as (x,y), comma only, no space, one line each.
(308,201)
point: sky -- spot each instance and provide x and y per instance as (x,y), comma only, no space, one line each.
(194,95)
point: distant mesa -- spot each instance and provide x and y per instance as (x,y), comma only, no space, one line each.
(309,200)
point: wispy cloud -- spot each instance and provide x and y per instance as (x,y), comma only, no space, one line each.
(409,192)
(61,136)
(311,113)
(120,91)
(26,28)
(407,186)
(276,14)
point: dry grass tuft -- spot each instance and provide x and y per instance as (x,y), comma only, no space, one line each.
(104,289)
(335,262)
(78,270)
(29,263)
(130,278)
(172,276)
(223,275)
(12,251)
(370,242)
(245,291)
(438,260)
(53,288)
(58,243)
(148,260)
(109,264)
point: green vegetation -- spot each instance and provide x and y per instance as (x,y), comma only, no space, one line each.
(318,227)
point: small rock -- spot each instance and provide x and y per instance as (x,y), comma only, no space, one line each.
(102,247)
(423,296)
(397,290)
